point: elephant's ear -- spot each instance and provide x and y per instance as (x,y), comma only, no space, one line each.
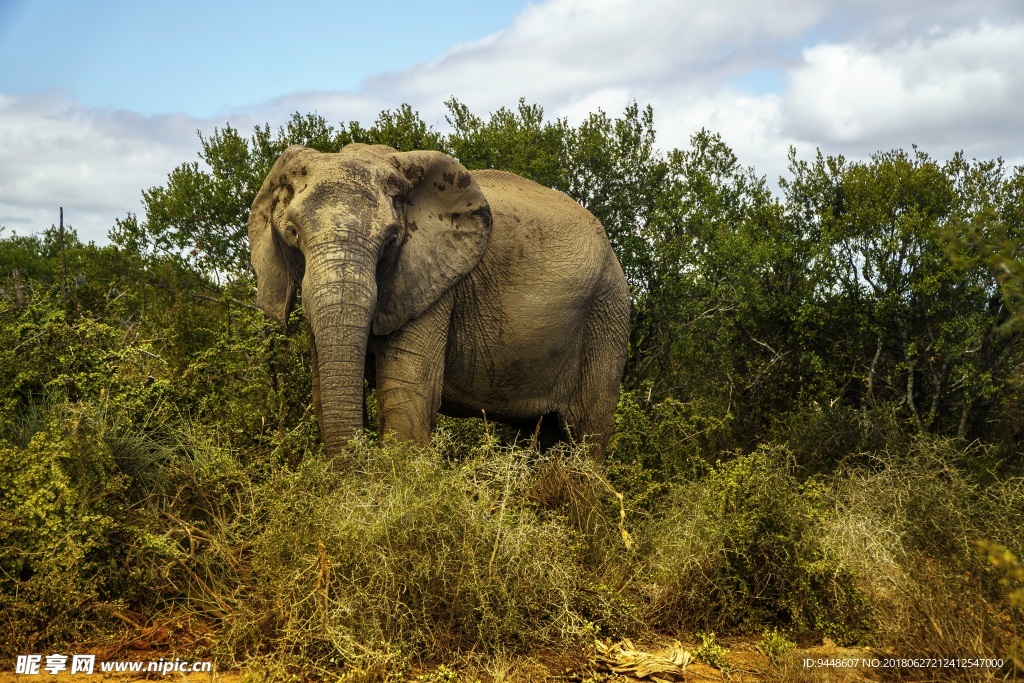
(275,265)
(447,221)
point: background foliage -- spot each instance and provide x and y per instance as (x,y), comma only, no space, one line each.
(821,413)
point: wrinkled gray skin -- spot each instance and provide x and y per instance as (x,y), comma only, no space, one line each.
(451,291)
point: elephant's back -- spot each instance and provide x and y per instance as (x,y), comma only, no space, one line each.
(534,221)
(513,193)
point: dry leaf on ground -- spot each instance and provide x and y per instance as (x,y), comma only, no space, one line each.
(666,664)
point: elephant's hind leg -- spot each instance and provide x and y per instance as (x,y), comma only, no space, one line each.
(410,372)
(590,414)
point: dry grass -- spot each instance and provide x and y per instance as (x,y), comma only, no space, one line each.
(907,528)
(741,548)
(495,561)
(393,557)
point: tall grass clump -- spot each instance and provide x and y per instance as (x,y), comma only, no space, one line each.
(741,548)
(908,525)
(387,556)
(391,555)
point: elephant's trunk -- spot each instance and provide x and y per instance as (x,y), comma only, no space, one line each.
(339,296)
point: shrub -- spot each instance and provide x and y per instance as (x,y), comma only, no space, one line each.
(61,512)
(712,653)
(741,547)
(656,444)
(823,438)
(45,356)
(774,645)
(907,527)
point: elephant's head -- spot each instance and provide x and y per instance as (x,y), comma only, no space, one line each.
(374,237)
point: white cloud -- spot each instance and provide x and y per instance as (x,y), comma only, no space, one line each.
(94,163)
(961,87)
(748,124)
(574,56)
(858,77)
(564,51)
(881,73)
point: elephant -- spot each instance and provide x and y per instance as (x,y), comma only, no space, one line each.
(455,292)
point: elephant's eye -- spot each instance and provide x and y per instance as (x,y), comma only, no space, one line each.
(390,244)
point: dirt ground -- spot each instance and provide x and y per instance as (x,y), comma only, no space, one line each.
(622,661)
(747,664)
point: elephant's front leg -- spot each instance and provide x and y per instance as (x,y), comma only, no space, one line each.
(410,373)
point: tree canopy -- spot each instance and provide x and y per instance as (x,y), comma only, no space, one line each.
(888,285)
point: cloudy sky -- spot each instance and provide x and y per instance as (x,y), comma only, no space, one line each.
(101,100)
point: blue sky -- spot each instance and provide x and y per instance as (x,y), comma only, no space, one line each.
(101,100)
(209,58)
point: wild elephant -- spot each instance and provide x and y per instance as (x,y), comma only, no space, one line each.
(451,291)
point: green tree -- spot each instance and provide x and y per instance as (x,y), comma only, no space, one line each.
(519,141)
(401,128)
(201,213)
(918,330)
(989,229)
(615,171)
